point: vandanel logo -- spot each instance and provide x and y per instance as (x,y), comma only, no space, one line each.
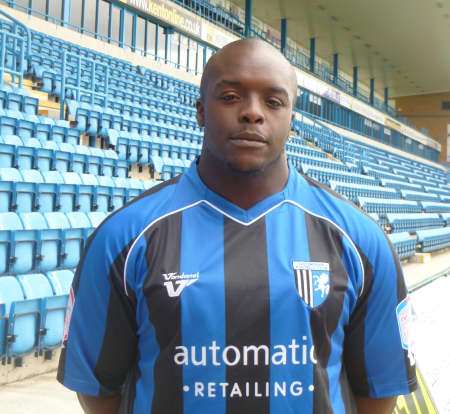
(175,282)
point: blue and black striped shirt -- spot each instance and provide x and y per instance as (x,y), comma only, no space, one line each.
(188,304)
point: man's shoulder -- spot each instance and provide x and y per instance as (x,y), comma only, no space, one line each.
(361,228)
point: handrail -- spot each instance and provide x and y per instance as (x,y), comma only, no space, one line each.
(78,88)
(25,28)
(428,280)
(18,55)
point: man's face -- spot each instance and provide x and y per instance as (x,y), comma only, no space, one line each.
(247,110)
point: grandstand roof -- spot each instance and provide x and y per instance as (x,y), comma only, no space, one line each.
(399,43)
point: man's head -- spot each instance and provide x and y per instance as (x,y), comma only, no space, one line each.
(247,93)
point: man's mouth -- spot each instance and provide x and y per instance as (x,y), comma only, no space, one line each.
(248,139)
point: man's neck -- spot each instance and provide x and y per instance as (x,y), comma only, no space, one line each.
(244,190)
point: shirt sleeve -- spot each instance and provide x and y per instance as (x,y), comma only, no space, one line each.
(378,354)
(100,340)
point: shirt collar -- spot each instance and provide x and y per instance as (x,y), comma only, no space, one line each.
(231,209)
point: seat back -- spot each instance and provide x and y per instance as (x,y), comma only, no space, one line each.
(61,281)
(22,316)
(10,291)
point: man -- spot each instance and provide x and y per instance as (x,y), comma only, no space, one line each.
(240,287)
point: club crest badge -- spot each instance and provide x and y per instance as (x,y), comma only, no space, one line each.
(312,280)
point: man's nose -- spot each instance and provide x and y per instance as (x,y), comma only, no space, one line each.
(252,111)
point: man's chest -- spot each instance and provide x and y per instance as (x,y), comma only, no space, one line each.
(229,274)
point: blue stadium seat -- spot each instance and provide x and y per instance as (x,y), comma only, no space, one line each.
(42,131)
(15,194)
(25,128)
(30,105)
(52,310)
(71,240)
(43,197)
(94,161)
(116,195)
(82,192)
(10,292)
(8,123)
(79,156)
(17,245)
(23,318)
(61,281)
(109,162)
(7,154)
(14,102)
(53,181)
(47,241)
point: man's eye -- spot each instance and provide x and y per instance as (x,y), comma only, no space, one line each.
(274,103)
(229,97)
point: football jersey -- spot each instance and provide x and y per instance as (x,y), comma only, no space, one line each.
(188,304)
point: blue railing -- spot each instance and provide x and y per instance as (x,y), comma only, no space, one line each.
(12,57)
(14,49)
(83,79)
(19,25)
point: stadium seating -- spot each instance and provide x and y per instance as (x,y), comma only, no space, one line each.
(20,330)
(404,243)
(383,206)
(400,222)
(433,239)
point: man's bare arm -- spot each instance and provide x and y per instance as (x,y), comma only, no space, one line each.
(374,405)
(99,405)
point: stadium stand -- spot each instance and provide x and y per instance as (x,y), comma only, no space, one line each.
(62,173)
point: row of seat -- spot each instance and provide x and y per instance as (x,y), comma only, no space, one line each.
(32,313)
(433,239)
(48,69)
(39,242)
(137,148)
(31,153)
(433,207)
(404,243)
(400,222)
(299,159)
(326,175)
(382,174)
(295,146)
(383,206)
(16,101)
(419,195)
(94,119)
(32,126)
(400,185)
(352,190)
(30,190)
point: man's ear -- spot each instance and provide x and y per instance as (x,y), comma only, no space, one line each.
(200,113)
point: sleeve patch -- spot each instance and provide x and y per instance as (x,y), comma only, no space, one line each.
(405,319)
(68,316)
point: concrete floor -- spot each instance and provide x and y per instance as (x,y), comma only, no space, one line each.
(43,394)
(432,337)
(416,272)
(38,395)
